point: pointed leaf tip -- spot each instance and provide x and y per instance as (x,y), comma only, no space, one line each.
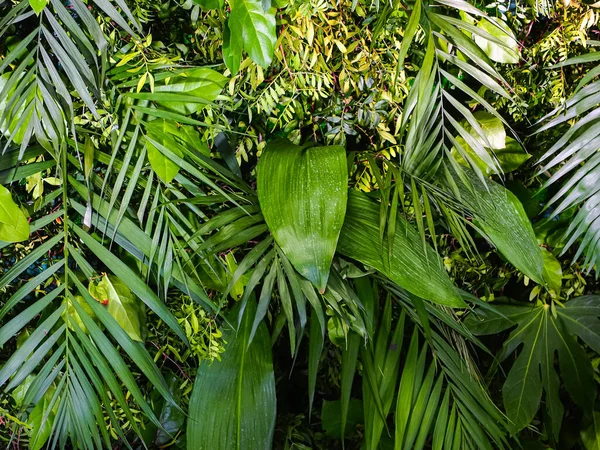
(303,195)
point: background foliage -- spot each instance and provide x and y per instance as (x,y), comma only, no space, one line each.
(144,202)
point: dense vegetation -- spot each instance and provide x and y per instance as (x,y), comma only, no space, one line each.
(320,224)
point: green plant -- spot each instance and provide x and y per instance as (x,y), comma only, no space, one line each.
(223,223)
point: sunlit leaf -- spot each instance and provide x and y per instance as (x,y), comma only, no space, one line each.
(121,303)
(14,226)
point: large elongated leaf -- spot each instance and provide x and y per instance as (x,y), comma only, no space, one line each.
(544,334)
(233,402)
(413,266)
(500,214)
(303,194)
(252,29)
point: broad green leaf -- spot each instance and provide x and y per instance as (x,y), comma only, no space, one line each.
(233,404)
(161,130)
(203,82)
(507,53)
(210,4)
(413,266)
(38,5)
(303,194)
(492,127)
(500,215)
(14,226)
(510,157)
(122,304)
(252,29)
(171,418)
(71,313)
(591,435)
(542,334)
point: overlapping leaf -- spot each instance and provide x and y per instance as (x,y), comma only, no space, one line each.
(303,194)
(413,266)
(544,334)
(233,403)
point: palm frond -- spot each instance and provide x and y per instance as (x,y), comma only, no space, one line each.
(573,163)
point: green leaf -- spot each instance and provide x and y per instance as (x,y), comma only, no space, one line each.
(591,435)
(171,418)
(505,150)
(543,333)
(303,194)
(233,404)
(252,29)
(202,82)
(411,261)
(120,303)
(500,215)
(159,131)
(14,226)
(507,53)
(38,5)
(331,417)
(70,314)
(210,4)
(41,420)
(552,271)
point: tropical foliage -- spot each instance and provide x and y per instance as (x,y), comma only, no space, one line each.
(308,224)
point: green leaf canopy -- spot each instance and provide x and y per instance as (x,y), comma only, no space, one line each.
(544,333)
(233,404)
(303,195)
(413,266)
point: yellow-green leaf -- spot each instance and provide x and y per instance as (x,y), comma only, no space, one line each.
(14,226)
(121,303)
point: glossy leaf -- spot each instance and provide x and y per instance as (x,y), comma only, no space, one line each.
(303,195)
(41,420)
(501,216)
(200,82)
(552,271)
(38,5)
(506,53)
(252,29)
(413,266)
(591,435)
(233,402)
(509,154)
